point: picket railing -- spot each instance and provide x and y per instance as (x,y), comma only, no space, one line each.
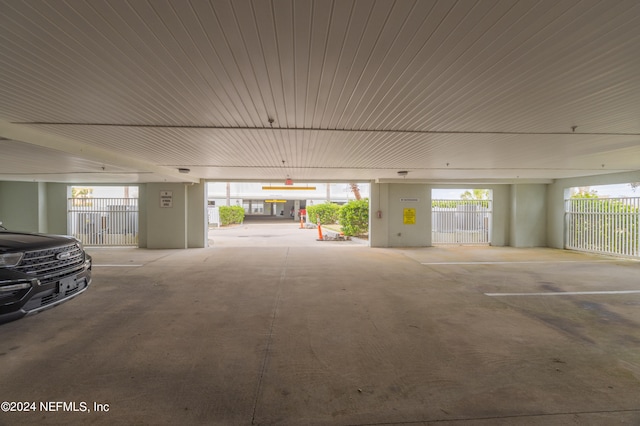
(462,222)
(603,225)
(103,221)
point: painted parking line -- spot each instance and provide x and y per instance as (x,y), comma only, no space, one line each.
(565,293)
(124,265)
(523,262)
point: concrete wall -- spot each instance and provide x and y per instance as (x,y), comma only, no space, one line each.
(183,225)
(402,197)
(528,219)
(390,230)
(21,206)
(197,220)
(57,194)
(34,206)
(385,197)
(142,216)
(379,225)
(166,226)
(500,229)
(42,207)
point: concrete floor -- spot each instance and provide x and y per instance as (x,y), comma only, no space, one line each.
(264,329)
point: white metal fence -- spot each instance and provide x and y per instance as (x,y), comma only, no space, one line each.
(462,222)
(103,221)
(603,225)
(213,214)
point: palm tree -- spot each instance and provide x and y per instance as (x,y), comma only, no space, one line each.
(356,190)
(477,194)
(77,193)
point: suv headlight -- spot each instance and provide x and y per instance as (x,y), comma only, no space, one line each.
(8,260)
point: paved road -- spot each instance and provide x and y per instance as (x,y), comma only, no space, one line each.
(270,232)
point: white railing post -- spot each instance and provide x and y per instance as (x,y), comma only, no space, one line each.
(603,225)
(461,222)
(104,221)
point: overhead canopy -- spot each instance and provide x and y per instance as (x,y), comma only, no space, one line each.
(470,91)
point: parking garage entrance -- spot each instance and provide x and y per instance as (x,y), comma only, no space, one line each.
(275,212)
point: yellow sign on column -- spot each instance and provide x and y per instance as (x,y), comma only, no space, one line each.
(409,216)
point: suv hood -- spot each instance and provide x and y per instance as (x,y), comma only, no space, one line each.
(24,241)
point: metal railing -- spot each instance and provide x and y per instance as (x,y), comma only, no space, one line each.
(213,214)
(603,225)
(103,221)
(462,222)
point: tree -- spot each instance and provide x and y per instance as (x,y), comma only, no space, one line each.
(79,192)
(81,196)
(477,194)
(585,192)
(356,190)
(472,197)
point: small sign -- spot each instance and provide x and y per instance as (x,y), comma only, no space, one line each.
(409,216)
(166,199)
(409,200)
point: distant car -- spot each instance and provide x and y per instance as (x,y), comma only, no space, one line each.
(39,271)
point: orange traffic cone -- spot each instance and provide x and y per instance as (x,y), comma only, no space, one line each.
(320,238)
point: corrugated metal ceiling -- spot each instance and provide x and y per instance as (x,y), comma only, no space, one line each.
(467,90)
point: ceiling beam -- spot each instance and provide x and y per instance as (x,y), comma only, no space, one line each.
(26,134)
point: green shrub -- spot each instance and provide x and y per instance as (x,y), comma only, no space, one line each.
(444,204)
(453,204)
(231,214)
(601,224)
(327,212)
(354,217)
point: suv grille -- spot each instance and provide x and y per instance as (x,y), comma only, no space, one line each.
(49,263)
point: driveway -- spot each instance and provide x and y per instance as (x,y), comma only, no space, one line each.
(271,231)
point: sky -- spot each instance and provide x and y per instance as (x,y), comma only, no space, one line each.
(620,190)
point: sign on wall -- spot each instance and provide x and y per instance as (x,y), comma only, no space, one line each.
(409,216)
(166,199)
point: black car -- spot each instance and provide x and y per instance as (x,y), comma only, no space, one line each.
(39,271)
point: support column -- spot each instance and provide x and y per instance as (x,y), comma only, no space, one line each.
(379,215)
(528,215)
(23,206)
(197,220)
(166,215)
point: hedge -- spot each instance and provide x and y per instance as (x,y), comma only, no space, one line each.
(231,214)
(354,217)
(327,212)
